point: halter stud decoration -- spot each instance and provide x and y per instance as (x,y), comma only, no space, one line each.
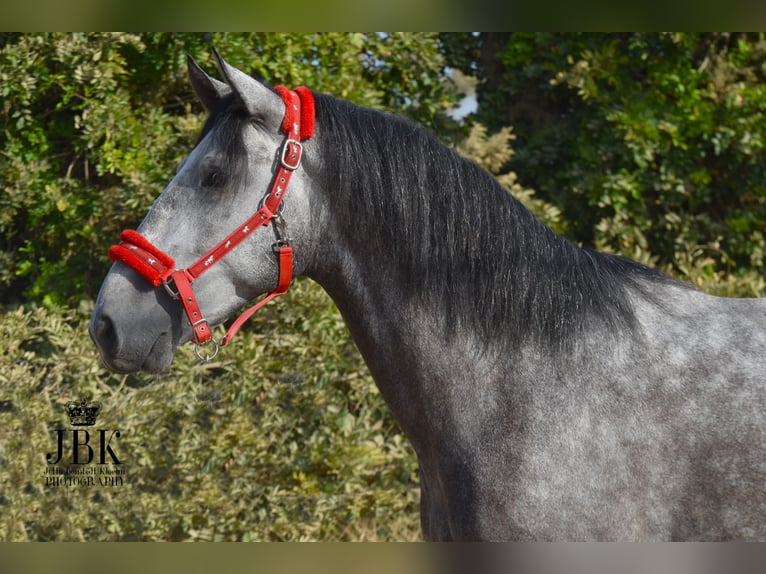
(138,253)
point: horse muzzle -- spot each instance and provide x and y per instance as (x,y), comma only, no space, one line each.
(131,331)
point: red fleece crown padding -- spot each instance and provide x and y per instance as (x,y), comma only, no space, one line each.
(307,111)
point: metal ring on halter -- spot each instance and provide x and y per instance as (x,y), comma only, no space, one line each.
(206,357)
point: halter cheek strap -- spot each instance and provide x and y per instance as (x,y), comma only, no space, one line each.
(138,253)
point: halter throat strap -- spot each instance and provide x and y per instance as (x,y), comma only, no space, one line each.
(138,253)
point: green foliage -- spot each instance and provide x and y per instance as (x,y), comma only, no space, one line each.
(648,143)
(265,443)
(76,163)
(689,112)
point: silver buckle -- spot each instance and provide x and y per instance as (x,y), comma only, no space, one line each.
(299,152)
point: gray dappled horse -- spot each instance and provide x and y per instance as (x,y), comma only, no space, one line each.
(550,392)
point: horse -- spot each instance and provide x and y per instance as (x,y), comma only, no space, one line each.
(550,392)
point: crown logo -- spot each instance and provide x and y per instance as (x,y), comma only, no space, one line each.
(83,413)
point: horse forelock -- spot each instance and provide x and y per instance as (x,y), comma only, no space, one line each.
(226,125)
(456,236)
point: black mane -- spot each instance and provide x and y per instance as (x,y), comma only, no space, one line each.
(451,232)
(459,237)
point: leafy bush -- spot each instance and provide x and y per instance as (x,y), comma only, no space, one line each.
(265,443)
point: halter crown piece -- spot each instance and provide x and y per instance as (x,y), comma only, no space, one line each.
(138,253)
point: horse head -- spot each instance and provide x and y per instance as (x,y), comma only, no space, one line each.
(233,182)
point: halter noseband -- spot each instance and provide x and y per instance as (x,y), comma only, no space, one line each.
(138,253)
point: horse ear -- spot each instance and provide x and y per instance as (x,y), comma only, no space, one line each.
(208,90)
(257,99)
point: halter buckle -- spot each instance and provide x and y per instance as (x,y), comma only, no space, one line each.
(169,289)
(292,152)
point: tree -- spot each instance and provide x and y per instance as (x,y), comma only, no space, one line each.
(651,144)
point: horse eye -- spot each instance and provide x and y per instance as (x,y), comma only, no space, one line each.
(213,178)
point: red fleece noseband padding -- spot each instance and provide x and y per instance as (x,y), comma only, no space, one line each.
(135,251)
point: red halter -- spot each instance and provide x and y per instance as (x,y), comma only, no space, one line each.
(135,251)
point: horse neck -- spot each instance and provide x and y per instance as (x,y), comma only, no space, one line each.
(411,344)
(376,305)
(397,339)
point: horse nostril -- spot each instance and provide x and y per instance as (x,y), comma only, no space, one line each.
(103,333)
